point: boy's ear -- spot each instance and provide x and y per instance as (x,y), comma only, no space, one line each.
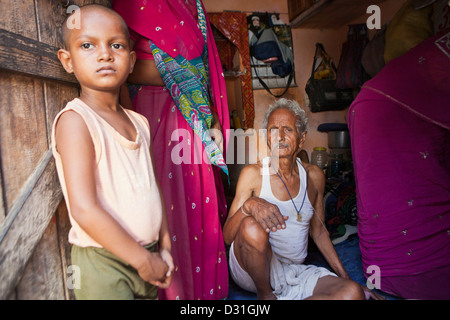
(132,60)
(66,61)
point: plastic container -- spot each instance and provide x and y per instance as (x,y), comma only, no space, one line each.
(337,165)
(319,157)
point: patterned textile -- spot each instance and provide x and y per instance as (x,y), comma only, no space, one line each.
(188,86)
(233,25)
(227,52)
(340,207)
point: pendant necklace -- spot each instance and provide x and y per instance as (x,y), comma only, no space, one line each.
(299,216)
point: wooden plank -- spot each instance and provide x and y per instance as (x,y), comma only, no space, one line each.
(50,15)
(23,137)
(106,3)
(65,248)
(302,18)
(295,7)
(2,204)
(29,40)
(330,14)
(25,55)
(41,279)
(18,16)
(27,221)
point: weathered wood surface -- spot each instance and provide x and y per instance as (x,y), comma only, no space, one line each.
(23,138)
(330,14)
(63,227)
(27,221)
(21,54)
(34,254)
(38,280)
(2,205)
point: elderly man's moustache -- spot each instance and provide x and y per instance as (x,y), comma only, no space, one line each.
(281,145)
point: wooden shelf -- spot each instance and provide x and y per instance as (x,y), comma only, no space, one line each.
(329,14)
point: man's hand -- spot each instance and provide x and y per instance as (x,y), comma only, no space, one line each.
(265,213)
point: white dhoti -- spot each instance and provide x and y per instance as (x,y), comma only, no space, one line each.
(289,277)
(290,281)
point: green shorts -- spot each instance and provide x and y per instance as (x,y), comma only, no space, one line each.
(104,276)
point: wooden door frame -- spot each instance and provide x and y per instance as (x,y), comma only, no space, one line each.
(26,220)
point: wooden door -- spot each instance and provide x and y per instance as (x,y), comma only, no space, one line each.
(33,88)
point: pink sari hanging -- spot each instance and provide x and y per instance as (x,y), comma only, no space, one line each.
(193,192)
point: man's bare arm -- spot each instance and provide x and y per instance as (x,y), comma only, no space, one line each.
(318,232)
(247,204)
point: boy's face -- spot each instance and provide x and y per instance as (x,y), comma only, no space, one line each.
(98,52)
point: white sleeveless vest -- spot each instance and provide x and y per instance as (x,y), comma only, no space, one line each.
(290,244)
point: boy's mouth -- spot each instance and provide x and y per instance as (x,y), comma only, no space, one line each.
(106,70)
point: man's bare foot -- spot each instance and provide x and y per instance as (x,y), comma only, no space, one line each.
(269,296)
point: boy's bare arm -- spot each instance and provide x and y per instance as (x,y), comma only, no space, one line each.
(76,148)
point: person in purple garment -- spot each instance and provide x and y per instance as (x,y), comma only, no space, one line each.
(400,137)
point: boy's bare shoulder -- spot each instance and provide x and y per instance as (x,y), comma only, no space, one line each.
(68,120)
(70,128)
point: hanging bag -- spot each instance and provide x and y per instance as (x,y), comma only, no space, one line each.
(350,72)
(270,49)
(321,86)
(372,58)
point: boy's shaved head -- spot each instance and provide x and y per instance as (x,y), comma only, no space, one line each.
(84,10)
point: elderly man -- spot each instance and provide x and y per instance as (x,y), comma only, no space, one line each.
(278,202)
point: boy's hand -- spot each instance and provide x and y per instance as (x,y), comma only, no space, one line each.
(167,257)
(153,268)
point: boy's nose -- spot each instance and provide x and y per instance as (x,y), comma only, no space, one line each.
(105,54)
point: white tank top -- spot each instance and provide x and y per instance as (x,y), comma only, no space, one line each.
(290,244)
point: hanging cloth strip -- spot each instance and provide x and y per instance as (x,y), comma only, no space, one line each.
(187,82)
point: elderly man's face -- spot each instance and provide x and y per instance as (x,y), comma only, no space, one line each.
(283,137)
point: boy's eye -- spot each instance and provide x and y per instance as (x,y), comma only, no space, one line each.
(86,45)
(117,46)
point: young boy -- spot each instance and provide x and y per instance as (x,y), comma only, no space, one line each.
(103,158)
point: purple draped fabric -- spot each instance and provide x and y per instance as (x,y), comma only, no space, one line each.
(400,135)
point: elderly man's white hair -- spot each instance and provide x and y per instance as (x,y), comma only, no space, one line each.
(292,105)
